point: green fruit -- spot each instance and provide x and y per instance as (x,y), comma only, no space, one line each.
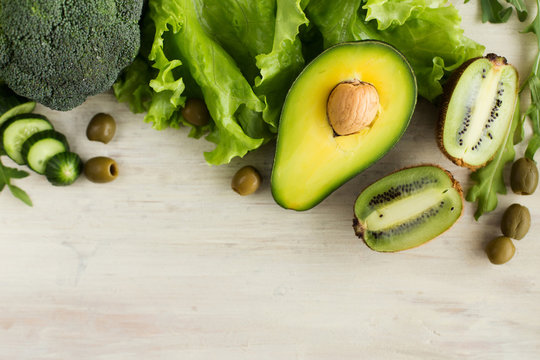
(101,128)
(524,176)
(477,110)
(195,112)
(516,221)
(345,110)
(101,169)
(246,180)
(407,208)
(500,250)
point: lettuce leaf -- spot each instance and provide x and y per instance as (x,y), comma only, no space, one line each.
(239,55)
(242,56)
(427,32)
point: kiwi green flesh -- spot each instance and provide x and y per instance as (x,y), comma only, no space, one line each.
(479,111)
(407,208)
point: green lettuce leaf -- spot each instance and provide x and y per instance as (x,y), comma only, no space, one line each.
(280,67)
(133,86)
(427,32)
(241,56)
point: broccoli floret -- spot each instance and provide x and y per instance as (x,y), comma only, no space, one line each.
(59,52)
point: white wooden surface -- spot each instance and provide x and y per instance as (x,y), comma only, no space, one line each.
(168,263)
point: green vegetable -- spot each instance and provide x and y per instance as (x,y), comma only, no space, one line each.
(59,52)
(494,12)
(533,83)
(6,174)
(15,131)
(489,180)
(63,168)
(241,57)
(40,147)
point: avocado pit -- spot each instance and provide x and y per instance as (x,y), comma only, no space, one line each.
(352,106)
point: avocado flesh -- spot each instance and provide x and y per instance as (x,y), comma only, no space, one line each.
(474,123)
(407,208)
(310,160)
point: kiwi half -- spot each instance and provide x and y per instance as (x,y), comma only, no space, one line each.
(477,110)
(407,208)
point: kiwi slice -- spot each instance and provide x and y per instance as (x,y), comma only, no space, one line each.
(477,110)
(407,208)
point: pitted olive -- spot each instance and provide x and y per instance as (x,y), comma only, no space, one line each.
(101,169)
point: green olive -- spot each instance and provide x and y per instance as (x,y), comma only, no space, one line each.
(524,176)
(500,250)
(516,221)
(101,128)
(195,112)
(101,169)
(246,180)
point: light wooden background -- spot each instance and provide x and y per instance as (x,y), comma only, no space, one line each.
(168,263)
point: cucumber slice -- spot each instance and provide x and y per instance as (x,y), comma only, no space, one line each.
(63,168)
(15,131)
(40,147)
(24,108)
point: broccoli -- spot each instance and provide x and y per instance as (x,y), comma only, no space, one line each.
(59,52)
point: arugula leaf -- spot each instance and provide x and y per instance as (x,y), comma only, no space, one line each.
(6,174)
(521,9)
(489,179)
(494,12)
(533,83)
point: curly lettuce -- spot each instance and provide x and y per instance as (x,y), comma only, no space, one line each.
(242,56)
(239,55)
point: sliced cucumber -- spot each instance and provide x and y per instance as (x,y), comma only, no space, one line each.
(15,131)
(40,147)
(23,108)
(63,168)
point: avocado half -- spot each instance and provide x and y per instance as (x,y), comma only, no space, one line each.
(312,159)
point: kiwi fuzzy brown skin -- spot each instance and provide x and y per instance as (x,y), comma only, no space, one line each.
(448,90)
(359,230)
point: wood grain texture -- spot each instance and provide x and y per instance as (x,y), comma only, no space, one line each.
(167,262)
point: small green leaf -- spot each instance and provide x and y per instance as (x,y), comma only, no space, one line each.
(15,173)
(519,134)
(6,174)
(494,12)
(20,194)
(521,9)
(534,145)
